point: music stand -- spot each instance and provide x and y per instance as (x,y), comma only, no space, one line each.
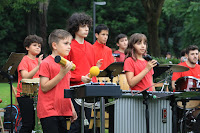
(112,70)
(7,71)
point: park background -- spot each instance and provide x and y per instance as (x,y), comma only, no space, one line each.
(170,25)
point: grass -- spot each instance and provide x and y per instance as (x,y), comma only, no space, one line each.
(5,94)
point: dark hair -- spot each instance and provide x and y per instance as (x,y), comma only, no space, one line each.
(32,39)
(76,20)
(183,52)
(57,35)
(168,53)
(119,37)
(191,48)
(101,27)
(136,37)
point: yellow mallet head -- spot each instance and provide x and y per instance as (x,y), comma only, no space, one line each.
(94,71)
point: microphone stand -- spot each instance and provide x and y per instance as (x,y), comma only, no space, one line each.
(146,103)
(10,78)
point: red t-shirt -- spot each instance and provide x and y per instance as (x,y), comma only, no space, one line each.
(121,58)
(82,55)
(136,67)
(53,103)
(195,72)
(27,64)
(103,52)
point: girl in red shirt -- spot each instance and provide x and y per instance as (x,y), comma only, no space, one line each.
(138,71)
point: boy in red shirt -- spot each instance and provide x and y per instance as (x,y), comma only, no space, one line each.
(138,71)
(122,43)
(52,107)
(28,69)
(82,55)
(102,51)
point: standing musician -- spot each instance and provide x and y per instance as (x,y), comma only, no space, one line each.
(82,55)
(28,69)
(138,71)
(102,51)
(122,43)
(191,63)
(52,107)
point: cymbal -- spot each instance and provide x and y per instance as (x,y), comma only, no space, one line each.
(174,67)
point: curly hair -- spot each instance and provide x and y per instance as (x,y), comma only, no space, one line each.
(76,20)
(32,39)
(130,51)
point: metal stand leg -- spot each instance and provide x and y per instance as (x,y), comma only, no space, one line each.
(184,116)
(146,102)
(173,104)
(102,115)
(94,117)
(82,115)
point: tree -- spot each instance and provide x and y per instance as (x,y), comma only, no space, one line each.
(153,10)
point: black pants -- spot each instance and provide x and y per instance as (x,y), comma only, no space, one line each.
(27,113)
(54,124)
(76,125)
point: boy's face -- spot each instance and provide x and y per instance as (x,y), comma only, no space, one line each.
(83,31)
(63,46)
(123,43)
(34,49)
(102,37)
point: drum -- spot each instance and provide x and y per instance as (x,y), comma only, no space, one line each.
(185,83)
(30,87)
(190,121)
(103,79)
(189,105)
(122,81)
(119,80)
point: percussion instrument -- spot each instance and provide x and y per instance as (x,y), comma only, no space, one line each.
(122,81)
(185,84)
(190,121)
(119,80)
(30,86)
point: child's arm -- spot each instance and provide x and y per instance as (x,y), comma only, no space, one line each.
(47,84)
(74,114)
(28,75)
(133,80)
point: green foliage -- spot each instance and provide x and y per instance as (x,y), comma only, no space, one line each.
(183,17)
(162,60)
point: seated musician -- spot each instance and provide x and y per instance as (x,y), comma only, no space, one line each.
(52,107)
(138,71)
(191,63)
(28,69)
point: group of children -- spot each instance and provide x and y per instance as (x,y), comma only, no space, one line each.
(52,107)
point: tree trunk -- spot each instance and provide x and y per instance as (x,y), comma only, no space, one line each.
(31,25)
(153,10)
(43,7)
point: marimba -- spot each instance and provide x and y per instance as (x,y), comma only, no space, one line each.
(93,91)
